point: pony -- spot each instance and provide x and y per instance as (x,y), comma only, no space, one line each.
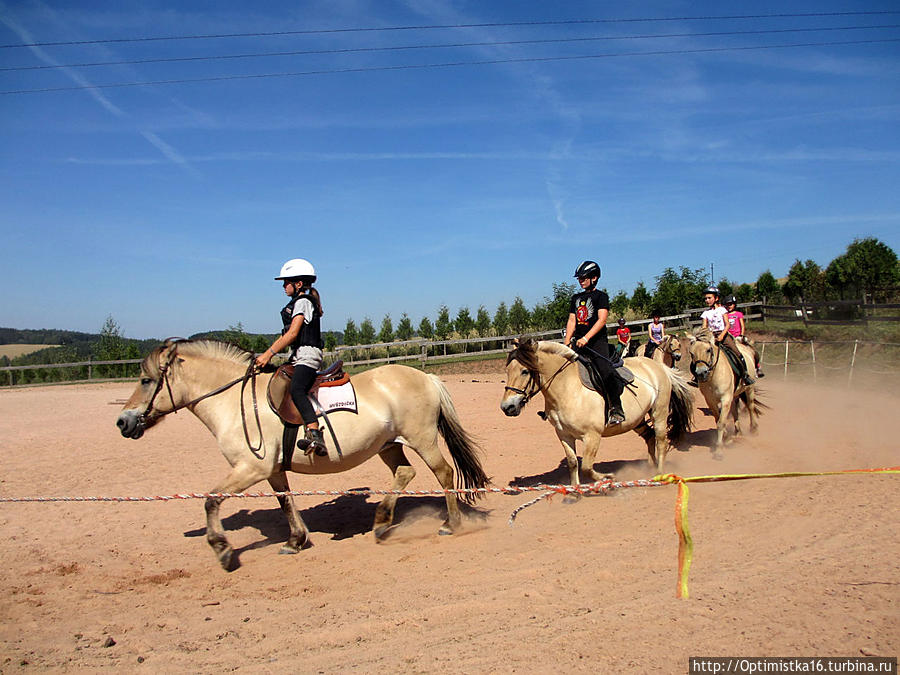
(668,352)
(397,406)
(578,413)
(720,387)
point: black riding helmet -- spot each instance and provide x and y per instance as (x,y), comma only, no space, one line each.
(729,300)
(587,269)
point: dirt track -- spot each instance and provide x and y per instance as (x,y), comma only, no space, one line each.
(803,566)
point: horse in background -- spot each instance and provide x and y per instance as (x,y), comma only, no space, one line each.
(720,387)
(658,405)
(668,352)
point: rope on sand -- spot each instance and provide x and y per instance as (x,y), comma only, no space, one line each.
(685,542)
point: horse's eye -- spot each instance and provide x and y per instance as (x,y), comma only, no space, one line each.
(524,372)
(145,381)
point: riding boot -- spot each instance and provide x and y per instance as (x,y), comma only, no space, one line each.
(614,392)
(316,442)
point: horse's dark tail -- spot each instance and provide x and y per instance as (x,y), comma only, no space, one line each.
(681,407)
(759,406)
(462,446)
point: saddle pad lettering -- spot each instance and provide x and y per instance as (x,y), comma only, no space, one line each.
(342,397)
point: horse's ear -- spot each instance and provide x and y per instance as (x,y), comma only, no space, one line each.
(691,338)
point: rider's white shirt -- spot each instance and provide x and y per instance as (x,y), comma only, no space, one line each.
(715,318)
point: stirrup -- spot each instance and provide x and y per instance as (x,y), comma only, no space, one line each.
(316,442)
(616,416)
(747,380)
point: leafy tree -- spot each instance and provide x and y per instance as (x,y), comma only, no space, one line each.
(744,293)
(501,319)
(111,345)
(464,322)
(236,335)
(619,304)
(839,278)
(725,287)
(806,281)
(426,329)
(768,288)
(404,328)
(482,321)
(259,343)
(366,332)
(386,334)
(640,300)
(558,305)
(677,291)
(872,264)
(443,325)
(330,342)
(351,334)
(518,316)
(540,317)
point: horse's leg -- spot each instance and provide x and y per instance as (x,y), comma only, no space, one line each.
(656,437)
(403,472)
(240,478)
(299,537)
(751,409)
(427,448)
(736,415)
(722,412)
(568,443)
(591,446)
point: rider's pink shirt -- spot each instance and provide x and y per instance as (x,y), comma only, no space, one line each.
(734,322)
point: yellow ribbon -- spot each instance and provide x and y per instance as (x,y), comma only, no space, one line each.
(686,543)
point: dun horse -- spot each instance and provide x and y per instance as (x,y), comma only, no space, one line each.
(719,386)
(667,353)
(397,406)
(578,413)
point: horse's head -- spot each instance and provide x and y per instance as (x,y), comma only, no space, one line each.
(703,354)
(673,346)
(147,403)
(523,377)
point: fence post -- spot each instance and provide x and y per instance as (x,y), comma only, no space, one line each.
(90,366)
(786,346)
(852,362)
(812,347)
(762,310)
(424,355)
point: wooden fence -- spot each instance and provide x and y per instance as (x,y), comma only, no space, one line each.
(418,351)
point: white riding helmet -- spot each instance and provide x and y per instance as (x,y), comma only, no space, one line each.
(297,267)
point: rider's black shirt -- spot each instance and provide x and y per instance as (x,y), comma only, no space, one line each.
(585,306)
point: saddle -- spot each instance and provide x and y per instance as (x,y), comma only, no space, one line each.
(591,379)
(735,365)
(279,390)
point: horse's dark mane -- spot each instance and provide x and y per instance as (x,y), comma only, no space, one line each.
(525,352)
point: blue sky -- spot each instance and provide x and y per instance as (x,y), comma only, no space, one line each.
(171,207)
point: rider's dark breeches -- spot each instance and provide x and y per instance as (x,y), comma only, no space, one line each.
(650,348)
(728,343)
(611,381)
(301,382)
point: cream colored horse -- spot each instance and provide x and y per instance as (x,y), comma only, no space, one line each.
(397,406)
(720,389)
(668,352)
(578,413)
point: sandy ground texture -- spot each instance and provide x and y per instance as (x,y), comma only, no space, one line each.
(783,567)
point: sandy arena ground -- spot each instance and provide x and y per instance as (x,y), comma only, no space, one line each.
(800,566)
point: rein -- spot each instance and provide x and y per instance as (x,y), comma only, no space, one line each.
(706,363)
(150,416)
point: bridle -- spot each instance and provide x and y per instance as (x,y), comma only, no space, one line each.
(534,378)
(712,347)
(151,416)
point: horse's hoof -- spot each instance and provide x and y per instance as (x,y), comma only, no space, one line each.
(287,549)
(227,559)
(718,456)
(445,530)
(571,499)
(382,532)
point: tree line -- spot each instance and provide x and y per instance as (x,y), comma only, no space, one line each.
(868,267)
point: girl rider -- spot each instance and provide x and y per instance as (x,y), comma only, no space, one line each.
(656,331)
(714,320)
(586,332)
(303,335)
(738,329)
